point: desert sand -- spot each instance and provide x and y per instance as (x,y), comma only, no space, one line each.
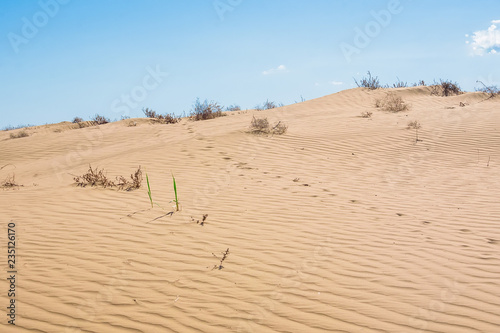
(343,224)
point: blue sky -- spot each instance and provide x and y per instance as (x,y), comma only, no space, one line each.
(65,58)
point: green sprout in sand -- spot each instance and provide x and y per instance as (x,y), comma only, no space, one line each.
(175,191)
(149,191)
(176,200)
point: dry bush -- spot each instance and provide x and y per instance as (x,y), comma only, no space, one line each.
(77,120)
(205,110)
(21,134)
(96,177)
(279,128)
(400,84)
(268,105)
(492,91)
(392,103)
(262,126)
(149,113)
(259,125)
(419,83)
(370,82)
(445,88)
(366,114)
(129,185)
(168,119)
(10,182)
(93,178)
(99,120)
(161,118)
(414,124)
(233,108)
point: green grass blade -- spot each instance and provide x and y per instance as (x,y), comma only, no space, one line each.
(149,191)
(175,190)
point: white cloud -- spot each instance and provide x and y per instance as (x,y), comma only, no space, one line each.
(486,41)
(280,68)
(336,83)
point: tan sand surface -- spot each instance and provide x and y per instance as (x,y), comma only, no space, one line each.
(343,224)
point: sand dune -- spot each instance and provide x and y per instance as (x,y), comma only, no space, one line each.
(343,224)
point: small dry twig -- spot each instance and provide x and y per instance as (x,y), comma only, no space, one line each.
(224,256)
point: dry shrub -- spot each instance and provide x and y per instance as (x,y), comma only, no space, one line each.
(205,110)
(10,182)
(492,91)
(268,105)
(392,103)
(161,118)
(262,126)
(279,128)
(96,177)
(370,82)
(414,124)
(233,108)
(100,120)
(129,185)
(366,114)
(259,125)
(419,83)
(77,120)
(150,113)
(400,84)
(21,134)
(168,119)
(445,88)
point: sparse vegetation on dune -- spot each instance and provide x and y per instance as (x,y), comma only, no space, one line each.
(234,107)
(445,88)
(492,91)
(400,84)
(370,82)
(94,121)
(205,110)
(415,124)
(262,126)
(366,114)
(267,105)
(10,182)
(392,102)
(420,83)
(98,178)
(161,118)
(100,120)
(20,134)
